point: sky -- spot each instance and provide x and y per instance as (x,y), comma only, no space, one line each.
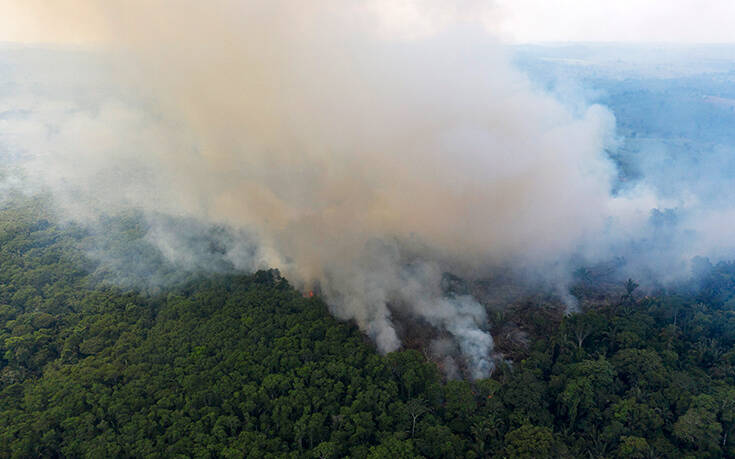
(512,21)
(646,21)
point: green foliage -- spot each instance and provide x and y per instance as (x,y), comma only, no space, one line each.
(530,442)
(244,366)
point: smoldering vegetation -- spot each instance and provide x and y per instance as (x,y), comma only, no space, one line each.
(423,184)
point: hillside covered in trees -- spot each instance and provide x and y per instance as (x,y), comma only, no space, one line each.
(240,365)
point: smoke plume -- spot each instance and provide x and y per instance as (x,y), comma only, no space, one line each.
(358,159)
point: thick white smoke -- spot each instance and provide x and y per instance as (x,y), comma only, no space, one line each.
(332,141)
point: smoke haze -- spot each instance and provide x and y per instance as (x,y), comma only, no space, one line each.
(353,158)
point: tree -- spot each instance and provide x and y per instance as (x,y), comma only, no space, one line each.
(634,448)
(698,427)
(416,408)
(394,448)
(582,326)
(531,442)
(325,450)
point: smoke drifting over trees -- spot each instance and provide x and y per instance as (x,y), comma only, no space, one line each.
(350,157)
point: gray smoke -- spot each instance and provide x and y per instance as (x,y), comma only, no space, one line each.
(350,157)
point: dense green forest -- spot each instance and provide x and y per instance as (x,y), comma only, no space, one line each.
(232,365)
